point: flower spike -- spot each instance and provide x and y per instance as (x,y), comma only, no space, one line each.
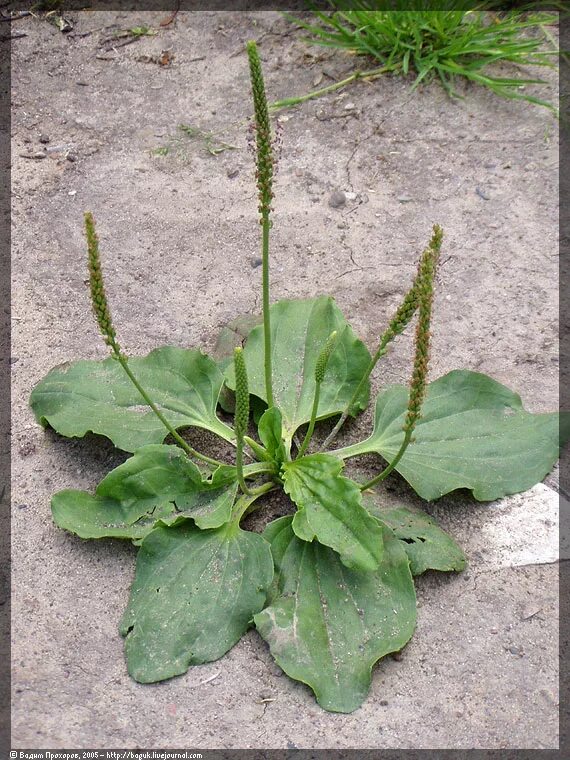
(398,323)
(97,287)
(265,161)
(424,287)
(103,316)
(241,419)
(425,295)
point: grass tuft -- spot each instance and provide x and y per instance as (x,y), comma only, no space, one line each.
(437,45)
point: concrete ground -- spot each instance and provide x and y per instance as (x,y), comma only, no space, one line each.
(180,243)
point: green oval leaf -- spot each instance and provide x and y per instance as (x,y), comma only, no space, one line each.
(299,330)
(330,509)
(194,595)
(327,625)
(158,483)
(270,429)
(428,546)
(97,396)
(474,433)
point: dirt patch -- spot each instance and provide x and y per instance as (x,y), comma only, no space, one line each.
(180,241)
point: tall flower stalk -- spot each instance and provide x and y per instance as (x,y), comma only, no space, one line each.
(424,292)
(398,323)
(105,322)
(264,177)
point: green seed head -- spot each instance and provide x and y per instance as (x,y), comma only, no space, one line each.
(425,286)
(242,394)
(264,149)
(97,286)
(411,302)
(436,239)
(402,317)
(324,356)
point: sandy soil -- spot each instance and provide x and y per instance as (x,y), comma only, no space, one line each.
(180,240)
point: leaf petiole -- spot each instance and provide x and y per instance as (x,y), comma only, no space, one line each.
(259,451)
(257,468)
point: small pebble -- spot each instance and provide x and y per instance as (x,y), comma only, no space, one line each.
(256,262)
(71,157)
(337,199)
(494,630)
(516,651)
(26,449)
(44,139)
(231,173)
(38,154)
(530,611)
(405,199)
(482,194)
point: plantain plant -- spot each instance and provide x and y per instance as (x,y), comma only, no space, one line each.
(329,587)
